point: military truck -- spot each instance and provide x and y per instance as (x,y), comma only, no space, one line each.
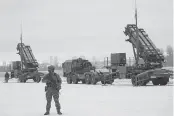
(77,70)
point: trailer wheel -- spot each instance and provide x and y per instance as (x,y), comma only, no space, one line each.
(22,78)
(110,81)
(155,81)
(38,79)
(134,82)
(34,79)
(163,81)
(93,80)
(145,83)
(74,79)
(68,79)
(23,81)
(102,82)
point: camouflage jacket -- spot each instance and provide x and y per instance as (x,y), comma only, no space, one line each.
(52,80)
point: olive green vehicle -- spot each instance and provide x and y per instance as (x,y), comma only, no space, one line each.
(81,70)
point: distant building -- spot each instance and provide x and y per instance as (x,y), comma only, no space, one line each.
(55,60)
(4,63)
(51,60)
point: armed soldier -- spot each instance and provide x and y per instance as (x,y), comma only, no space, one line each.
(53,82)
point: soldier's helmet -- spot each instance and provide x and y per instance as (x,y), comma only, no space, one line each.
(51,67)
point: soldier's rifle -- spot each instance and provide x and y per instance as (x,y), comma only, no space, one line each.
(53,83)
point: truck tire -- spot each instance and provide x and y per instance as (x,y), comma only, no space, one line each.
(68,79)
(74,79)
(93,80)
(87,79)
(83,81)
(163,81)
(155,81)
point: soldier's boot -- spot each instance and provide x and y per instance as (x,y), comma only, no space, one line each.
(59,112)
(47,112)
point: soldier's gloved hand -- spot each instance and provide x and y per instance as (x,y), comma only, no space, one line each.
(58,88)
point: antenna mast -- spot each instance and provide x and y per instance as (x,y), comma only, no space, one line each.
(136,14)
(137,35)
(21,33)
(21,47)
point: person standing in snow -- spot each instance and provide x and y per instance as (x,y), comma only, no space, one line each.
(6,77)
(53,85)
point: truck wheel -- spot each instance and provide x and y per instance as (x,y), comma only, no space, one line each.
(87,79)
(68,79)
(74,79)
(93,80)
(163,81)
(155,81)
(83,81)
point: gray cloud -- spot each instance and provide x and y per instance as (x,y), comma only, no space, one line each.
(91,27)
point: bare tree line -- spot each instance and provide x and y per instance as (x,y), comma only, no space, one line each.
(168,56)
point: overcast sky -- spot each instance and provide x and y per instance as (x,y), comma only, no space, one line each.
(67,28)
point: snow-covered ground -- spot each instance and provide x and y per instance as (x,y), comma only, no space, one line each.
(120,99)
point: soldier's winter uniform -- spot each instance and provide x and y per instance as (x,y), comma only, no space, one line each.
(6,77)
(53,82)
